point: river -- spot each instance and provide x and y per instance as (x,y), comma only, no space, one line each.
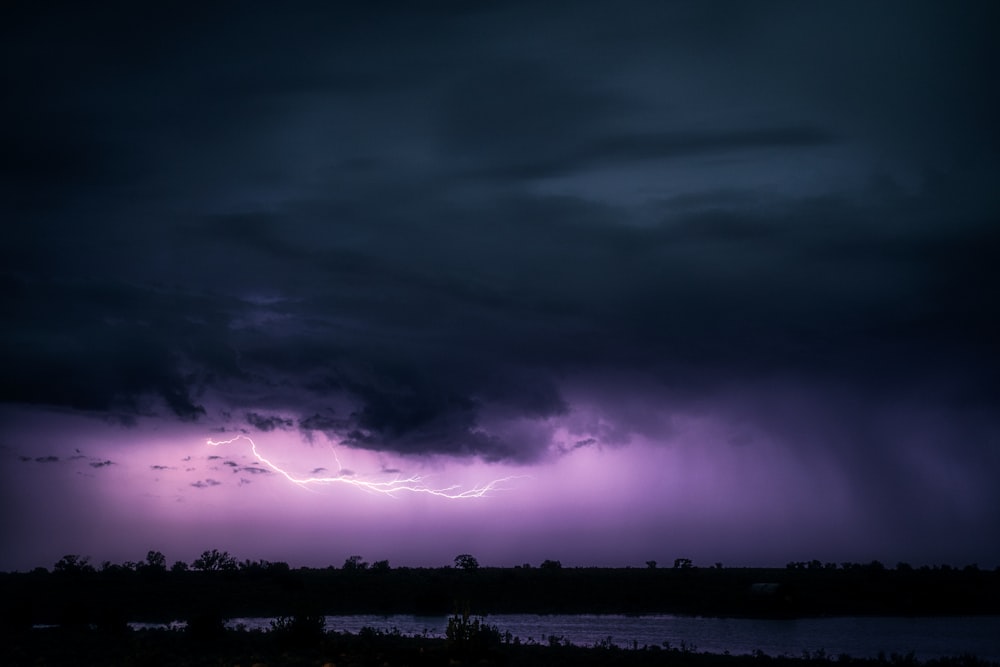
(925,637)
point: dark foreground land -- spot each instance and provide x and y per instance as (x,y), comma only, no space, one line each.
(110,597)
(90,610)
(301,643)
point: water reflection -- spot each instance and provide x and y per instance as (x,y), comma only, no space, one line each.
(927,638)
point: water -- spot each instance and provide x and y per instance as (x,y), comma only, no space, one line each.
(927,637)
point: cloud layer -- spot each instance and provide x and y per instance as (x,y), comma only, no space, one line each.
(468,232)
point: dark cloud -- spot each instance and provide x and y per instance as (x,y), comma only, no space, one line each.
(254,471)
(101,464)
(564,448)
(204,484)
(46,459)
(120,355)
(318,422)
(268,423)
(464,224)
(629,149)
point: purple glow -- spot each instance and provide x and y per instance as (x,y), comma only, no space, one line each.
(698,490)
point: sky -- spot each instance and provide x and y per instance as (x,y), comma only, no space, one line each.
(600,283)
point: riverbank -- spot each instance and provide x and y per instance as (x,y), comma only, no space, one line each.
(300,644)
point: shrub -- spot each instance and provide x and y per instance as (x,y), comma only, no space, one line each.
(472,637)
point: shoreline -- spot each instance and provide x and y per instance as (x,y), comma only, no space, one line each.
(297,643)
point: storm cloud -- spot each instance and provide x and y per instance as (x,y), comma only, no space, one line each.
(453,232)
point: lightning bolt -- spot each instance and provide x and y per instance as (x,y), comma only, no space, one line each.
(412,484)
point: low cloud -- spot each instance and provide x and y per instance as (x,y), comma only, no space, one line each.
(268,423)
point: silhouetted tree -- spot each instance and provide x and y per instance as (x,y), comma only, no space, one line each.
(73,564)
(155,561)
(651,564)
(255,566)
(355,563)
(550,565)
(381,566)
(179,566)
(214,560)
(682,564)
(466,562)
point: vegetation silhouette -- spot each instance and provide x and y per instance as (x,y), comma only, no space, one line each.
(466,562)
(90,608)
(74,594)
(300,641)
(471,637)
(214,560)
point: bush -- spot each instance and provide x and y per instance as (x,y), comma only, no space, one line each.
(472,637)
(299,631)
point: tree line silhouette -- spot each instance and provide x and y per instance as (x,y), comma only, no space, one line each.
(217,583)
(213,560)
